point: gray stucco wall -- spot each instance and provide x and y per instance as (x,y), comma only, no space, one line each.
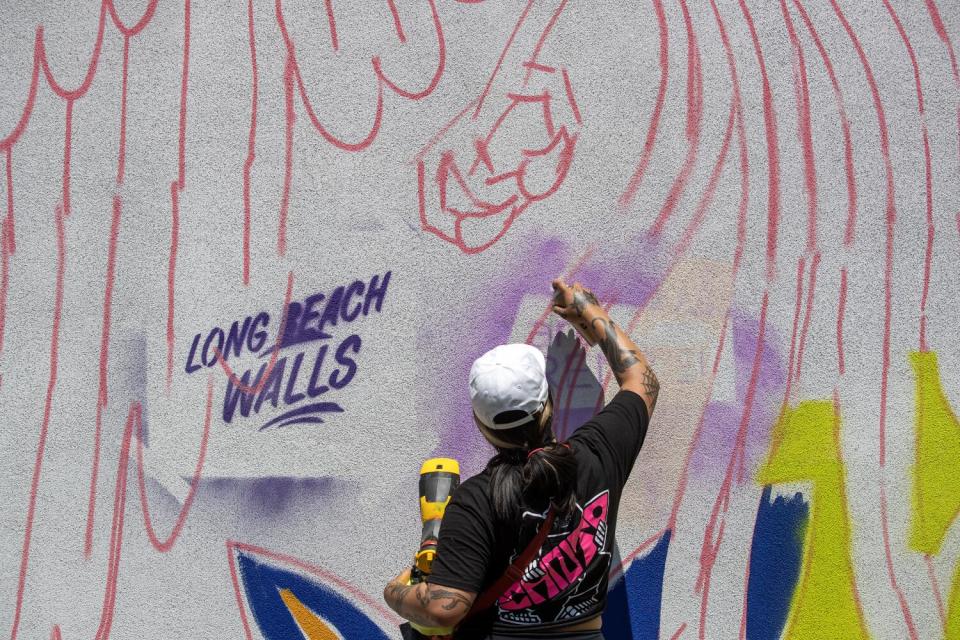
(766,194)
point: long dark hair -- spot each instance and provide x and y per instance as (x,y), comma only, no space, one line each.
(533,472)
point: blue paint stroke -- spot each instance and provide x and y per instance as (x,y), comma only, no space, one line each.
(316,407)
(633,605)
(262,584)
(775,557)
(303,420)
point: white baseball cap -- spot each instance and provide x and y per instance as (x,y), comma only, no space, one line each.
(511,377)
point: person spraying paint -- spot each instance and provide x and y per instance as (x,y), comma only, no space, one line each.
(525,546)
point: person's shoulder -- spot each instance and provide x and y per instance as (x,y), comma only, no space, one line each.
(629,399)
(625,406)
(475,487)
(472,498)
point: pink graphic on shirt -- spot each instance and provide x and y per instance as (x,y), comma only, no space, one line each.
(552,573)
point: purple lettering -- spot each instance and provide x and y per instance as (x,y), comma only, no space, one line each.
(376,293)
(332,310)
(354,289)
(291,331)
(353,343)
(255,339)
(235,337)
(312,389)
(207,356)
(310,314)
(190,367)
(288,396)
(233,395)
(271,389)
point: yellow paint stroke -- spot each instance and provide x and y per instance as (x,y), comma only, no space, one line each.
(806,447)
(310,623)
(936,468)
(936,473)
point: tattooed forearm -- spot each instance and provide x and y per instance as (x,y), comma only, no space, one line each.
(451,600)
(581,308)
(583,298)
(396,591)
(421,607)
(626,362)
(652,386)
(620,357)
(413,609)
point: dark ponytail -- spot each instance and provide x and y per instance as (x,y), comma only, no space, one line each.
(532,473)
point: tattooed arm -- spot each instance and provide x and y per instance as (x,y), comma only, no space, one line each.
(581,308)
(426,604)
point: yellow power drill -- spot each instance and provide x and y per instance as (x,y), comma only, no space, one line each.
(439,477)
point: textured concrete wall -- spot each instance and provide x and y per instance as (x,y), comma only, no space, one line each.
(249,251)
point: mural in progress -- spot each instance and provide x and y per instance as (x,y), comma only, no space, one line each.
(249,251)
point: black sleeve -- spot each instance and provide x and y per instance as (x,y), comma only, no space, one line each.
(616,434)
(466,542)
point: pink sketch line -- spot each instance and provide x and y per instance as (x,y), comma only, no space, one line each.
(108,608)
(251,142)
(127,32)
(291,117)
(571,271)
(4,274)
(945,38)
(637,178)
(890,215)
(706,198)
(692,130)
(928,172)
(177,188)
(45,423)
(441,58)
(851,185)
(794,332)
(808,313)
(937,596)
(102,378)
(928,187)
(503,54)
(274,351)
(851,182)
(397,25)
(11,226)
(773,151)
(713,535)
(171,276)
(165,545)
(71,95)
(11,139)
(744,173)
(293,79)
(804,132)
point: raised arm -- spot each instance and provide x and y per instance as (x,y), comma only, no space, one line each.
(578,306)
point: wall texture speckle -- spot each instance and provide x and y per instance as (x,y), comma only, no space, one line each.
(249,250)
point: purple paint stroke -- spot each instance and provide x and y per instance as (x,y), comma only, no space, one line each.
(268,499)
(721,420)
(626,274)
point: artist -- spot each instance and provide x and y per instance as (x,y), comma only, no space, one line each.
(535,482)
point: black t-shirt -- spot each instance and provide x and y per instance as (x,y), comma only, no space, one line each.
(567,581)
